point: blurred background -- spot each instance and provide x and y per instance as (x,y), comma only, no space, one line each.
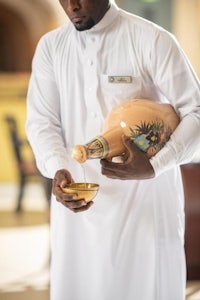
(24,193)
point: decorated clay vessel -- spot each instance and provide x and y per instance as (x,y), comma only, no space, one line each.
(147,123)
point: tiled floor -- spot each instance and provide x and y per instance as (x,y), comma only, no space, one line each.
(24,247)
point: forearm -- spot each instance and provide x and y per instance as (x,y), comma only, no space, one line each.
(181,146)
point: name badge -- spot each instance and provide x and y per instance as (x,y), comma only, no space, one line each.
(120,79)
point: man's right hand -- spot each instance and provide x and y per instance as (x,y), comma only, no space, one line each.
(61,179)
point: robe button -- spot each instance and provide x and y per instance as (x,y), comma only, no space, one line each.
(90,62)
(94,115)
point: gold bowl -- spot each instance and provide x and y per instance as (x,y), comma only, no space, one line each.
(83,190)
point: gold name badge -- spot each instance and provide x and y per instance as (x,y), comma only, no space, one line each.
(120,79)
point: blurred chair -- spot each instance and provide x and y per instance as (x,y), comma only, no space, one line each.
(27,169)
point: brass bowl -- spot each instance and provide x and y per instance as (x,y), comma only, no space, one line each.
(83,190)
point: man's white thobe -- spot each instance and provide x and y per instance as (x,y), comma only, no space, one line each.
(130,244)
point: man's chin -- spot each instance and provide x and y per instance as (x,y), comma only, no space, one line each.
(86,26)
(80,27)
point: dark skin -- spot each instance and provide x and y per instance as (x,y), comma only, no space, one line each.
(61,179)
(84,14)
(135,167)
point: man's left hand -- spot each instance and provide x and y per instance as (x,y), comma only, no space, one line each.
(136,167)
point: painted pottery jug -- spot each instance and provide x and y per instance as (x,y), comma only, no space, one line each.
(147,123)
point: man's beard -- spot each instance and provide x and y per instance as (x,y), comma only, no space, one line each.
(81,27)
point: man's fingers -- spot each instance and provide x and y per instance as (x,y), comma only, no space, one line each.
(109,172)
(129,144)
(78,205)
(108,165)
(61,177)
(75,203)
(83,208)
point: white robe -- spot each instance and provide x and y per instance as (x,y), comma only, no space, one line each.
(130,243)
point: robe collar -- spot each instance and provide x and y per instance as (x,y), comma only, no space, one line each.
(107,19)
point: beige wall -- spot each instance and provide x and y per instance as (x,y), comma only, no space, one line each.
(186,27)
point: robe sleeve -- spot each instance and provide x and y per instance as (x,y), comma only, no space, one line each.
(43,113)
(175,78)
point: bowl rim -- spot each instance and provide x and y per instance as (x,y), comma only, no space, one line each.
(93,187)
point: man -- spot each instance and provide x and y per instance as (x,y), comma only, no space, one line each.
(130,243)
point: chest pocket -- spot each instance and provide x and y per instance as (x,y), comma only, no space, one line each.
(120,88)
